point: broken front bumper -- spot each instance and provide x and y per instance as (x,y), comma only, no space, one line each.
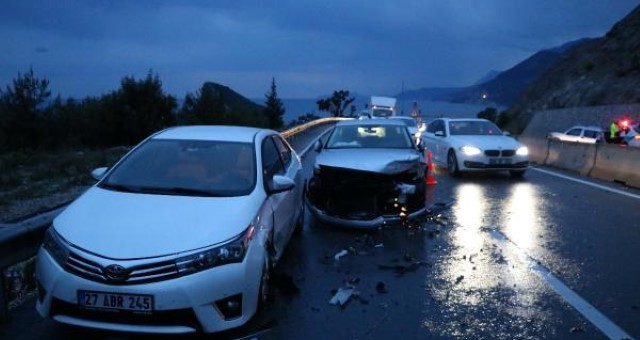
(377,222)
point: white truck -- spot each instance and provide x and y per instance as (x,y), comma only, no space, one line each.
(381,107)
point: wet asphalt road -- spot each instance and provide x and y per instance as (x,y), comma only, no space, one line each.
(463,273)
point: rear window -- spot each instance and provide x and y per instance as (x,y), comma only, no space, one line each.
(591,133)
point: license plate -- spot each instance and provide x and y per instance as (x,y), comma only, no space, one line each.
(498,161)
(115,301)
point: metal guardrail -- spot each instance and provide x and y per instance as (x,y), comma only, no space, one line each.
(20,241)
(297,129)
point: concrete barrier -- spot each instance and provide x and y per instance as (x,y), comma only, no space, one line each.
(617,163)
(579,157)
(603,161)
(538,148)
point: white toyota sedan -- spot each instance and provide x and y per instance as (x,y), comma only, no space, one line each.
(469,144)
(179,236)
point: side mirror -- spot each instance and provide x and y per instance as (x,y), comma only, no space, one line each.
(280,184)
(506,133)
(98,173)
(439,133)
(317,147)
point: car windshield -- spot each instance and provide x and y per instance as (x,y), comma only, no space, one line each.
(370,136)
(473,127)
(186,167)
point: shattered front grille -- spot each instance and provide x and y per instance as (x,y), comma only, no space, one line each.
(362,195)
(151,272)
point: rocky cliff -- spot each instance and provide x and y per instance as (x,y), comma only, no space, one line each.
(602,71)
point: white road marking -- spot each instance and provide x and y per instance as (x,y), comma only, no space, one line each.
(599,186)
(598,319)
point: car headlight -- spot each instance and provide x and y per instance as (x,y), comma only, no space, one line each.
(232,251)
(522,151)
(55,246)
(470,150)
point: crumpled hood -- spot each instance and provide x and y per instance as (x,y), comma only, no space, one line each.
(121,225)
(488,142)
(384,161)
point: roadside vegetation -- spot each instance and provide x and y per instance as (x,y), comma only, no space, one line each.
(48,146)
(32,182)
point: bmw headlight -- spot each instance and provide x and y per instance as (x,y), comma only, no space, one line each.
(522,151)
(55,246)
(470,150)
(232,251)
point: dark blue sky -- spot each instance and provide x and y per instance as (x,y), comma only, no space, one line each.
(310,47)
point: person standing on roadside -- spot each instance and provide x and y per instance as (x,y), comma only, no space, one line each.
(613,132)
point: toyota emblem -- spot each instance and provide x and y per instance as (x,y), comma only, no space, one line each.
(115,273)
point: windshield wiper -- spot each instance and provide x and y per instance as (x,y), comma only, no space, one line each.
(120,187)
(180,191)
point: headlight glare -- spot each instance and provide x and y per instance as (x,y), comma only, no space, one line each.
(522,151)
(470,150)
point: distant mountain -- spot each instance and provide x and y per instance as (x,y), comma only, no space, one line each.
(429,93)
(233,101)
(500,87)
(600,71)
(487,77)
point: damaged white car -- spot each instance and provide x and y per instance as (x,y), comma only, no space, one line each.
(369,173)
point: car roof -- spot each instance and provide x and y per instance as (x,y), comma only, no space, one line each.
(402,117)
(465,119)
(585,127)
(373,121)
(211,132)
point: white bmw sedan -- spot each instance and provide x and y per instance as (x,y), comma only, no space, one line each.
(469,144)
(179,236)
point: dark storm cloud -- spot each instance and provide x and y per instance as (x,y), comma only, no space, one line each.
(310,47)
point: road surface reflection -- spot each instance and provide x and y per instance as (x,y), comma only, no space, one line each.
(481,286)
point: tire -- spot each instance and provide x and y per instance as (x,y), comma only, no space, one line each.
(452,164)
(516,173)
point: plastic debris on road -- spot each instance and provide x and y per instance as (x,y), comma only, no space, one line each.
(342,296)
(340,254)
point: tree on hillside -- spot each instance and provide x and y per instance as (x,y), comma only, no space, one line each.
(274,110)
(336,104)
(145,106)
(65,123)
(20,109)
(489,113)
(206,106)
